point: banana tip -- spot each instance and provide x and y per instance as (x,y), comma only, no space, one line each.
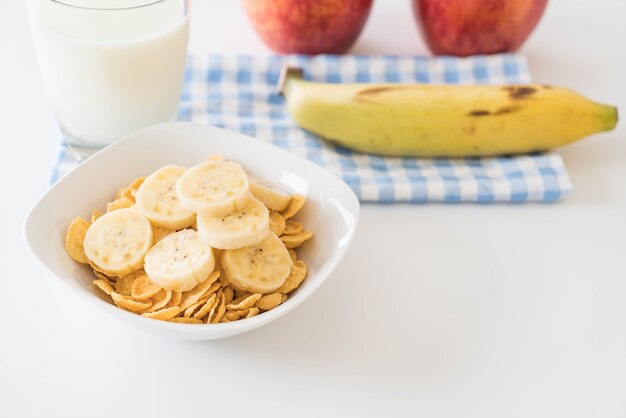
(287,72)
(612,118)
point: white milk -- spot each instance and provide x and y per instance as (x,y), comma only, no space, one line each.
(110,72)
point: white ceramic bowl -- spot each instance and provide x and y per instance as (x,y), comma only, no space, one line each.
(331,211)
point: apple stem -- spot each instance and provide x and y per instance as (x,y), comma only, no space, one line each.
(286,73)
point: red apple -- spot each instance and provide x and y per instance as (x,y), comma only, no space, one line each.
(308,26)
(467,27)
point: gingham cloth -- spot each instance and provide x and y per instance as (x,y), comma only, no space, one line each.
(239,93)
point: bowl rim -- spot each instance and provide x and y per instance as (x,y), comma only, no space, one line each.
(235,327)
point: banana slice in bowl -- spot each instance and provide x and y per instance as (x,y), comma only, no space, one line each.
(118,241)
(180,261)
(271,196)
(238,229)
(259,268)
(156,198)
(213,188)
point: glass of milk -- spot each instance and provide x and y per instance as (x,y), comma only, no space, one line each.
(110,67)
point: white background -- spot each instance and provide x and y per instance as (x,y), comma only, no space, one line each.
(442,311)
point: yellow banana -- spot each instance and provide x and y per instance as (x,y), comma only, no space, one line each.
(443,120)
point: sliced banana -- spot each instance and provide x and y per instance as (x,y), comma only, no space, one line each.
(118,241)
(213,188)
(156,199)
(271,196)
(180,261)
(259,268)
(238,229)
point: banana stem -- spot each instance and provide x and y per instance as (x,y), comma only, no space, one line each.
(288,73)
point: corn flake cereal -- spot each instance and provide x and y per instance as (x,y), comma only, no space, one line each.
(254,311)
(296,277)
(270,301)
(244,302)
(213,301)
(121,203)
(104,285)
(206,308)
(161,300)
(142,288)
(158,233)
(104,277)
(183,320)
(292,227)
(277,223)
(294,206)
(176,298)
(95,215)
(191,309)
(234,315)
(124,285)
(192,296)
(229,294)
(128,303)
(74,240)
(217,311)
(294,241)
(163,314)
(130,191)
(97,269)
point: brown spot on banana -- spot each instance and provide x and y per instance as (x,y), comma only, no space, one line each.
(478,112)
(520,92)
(501,111)
(506,109)
(381,89)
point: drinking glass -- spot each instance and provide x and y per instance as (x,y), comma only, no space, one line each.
(110,67)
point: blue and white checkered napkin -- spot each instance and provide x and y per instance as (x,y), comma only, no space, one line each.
(239,93)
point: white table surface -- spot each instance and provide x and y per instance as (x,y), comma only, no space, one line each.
(442,311)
